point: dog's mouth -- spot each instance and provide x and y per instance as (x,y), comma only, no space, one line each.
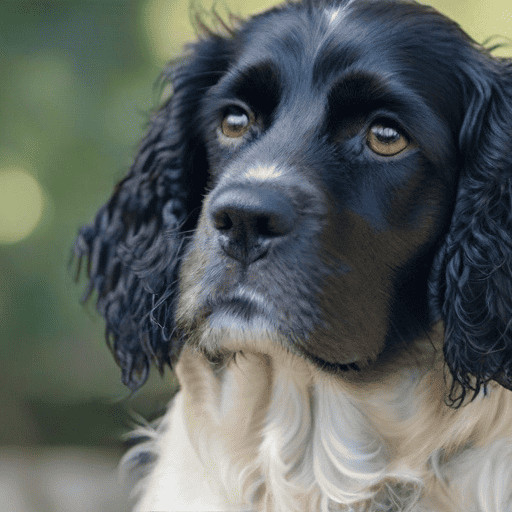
(240,320)
(246,321)
(236,307)
(241,310)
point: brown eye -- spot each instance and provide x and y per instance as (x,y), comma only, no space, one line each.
(386,140)
(236,122)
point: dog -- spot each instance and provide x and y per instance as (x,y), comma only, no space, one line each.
(316,235)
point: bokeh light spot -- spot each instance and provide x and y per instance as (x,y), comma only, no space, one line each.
(21,205)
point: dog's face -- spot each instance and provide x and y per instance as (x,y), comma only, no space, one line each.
(333,174)
(310,185)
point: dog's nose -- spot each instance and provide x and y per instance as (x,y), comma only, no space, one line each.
(250,220)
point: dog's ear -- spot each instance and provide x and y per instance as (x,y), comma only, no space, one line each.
(132,249)
(473,273)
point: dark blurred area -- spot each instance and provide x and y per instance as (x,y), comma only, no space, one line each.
(76,89)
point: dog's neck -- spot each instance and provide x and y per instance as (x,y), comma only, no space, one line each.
(287,436)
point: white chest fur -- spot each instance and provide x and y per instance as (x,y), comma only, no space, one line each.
(273,434)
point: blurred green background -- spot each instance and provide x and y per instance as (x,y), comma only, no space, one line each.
(76,83)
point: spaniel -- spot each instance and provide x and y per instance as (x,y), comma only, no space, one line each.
(316,234)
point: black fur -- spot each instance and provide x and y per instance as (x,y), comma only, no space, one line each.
(134,245)
(472,282)
(460,272)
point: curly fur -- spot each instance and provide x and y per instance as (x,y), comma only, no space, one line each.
(328,334)
(133,248)
(476,261)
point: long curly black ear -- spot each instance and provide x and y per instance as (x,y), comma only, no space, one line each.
(132,250)
(474,269)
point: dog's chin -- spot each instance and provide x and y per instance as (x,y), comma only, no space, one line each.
(238,326)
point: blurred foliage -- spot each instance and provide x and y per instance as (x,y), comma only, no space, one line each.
(75,92)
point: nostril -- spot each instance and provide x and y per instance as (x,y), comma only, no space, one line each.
(222,221)
(260,212)
(263,226)
(269,226)
(249,220)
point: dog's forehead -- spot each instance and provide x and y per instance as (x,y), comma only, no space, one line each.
(297,40)
(415,47)
(381,34)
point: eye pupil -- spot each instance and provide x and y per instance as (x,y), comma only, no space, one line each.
(386,140)
(386,135)
(235,123)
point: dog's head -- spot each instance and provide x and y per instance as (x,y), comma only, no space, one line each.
(331,177)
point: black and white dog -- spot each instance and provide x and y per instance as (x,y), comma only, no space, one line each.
(317,235)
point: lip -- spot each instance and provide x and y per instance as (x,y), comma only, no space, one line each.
(243,306)
(236,306)
(243,301)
